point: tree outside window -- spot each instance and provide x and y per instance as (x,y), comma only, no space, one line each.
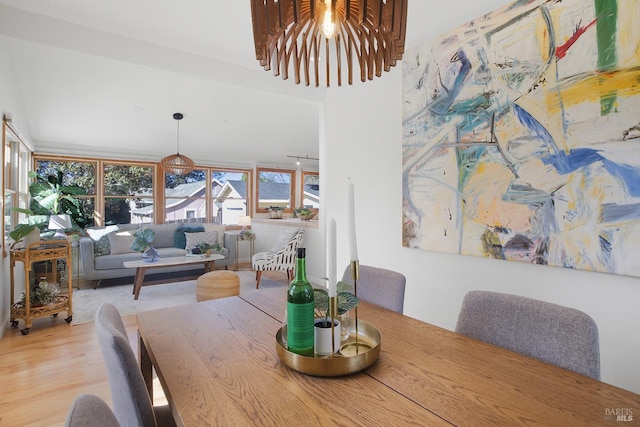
(128,194)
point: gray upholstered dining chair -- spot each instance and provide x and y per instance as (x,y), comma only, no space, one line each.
(131,401)
(89,410)
(282,257)
(379,286)
(555,334)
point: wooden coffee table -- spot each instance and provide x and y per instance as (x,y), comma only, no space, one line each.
(142,267)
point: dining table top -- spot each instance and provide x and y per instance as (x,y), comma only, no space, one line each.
(218,365)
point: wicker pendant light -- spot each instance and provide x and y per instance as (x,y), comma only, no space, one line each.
(177,164)
(289,37)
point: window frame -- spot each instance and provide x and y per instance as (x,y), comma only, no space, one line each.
(292,187)
(304,174)
(158,184)
(17,156)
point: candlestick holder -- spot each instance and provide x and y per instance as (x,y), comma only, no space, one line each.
(357,346)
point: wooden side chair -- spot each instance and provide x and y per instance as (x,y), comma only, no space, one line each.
(559,335)
(279,259)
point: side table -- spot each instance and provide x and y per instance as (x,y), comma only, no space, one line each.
(49,250)
(240,237)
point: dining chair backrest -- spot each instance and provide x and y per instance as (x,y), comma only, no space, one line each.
(555,334)
(89,410)
(379,286)
(131,402)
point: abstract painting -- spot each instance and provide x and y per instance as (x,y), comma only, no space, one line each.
(521,137)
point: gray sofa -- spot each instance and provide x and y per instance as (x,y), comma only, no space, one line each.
(101,258)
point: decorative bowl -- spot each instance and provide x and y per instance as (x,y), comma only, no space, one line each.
(307,217)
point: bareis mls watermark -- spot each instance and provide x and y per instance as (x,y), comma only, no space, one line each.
(618,414)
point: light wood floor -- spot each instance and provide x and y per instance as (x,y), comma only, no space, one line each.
(42,373)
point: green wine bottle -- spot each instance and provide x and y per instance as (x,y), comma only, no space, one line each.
(300,306)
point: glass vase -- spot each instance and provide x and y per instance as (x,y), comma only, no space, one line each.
(346,324)
(151,254)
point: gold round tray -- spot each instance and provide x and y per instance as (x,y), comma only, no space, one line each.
(353,356)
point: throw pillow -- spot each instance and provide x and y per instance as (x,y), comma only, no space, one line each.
(193,239)
(121,242)
(179,239)
(100,237)
(220,228)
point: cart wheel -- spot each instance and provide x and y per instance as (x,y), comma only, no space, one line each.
(24,331)
(68,319)
(54,315)
(14,323)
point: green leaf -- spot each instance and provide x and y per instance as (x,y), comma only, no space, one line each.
(21,231)
(143,239)
(346,301)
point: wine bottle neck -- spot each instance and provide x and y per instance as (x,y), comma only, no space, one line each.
(301,269)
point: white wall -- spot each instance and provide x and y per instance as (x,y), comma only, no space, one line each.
(363,141)
(9,104)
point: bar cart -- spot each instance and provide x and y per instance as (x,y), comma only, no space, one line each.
(44,250)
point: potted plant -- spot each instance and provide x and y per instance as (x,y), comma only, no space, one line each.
(41,294)
(49,197)
(305,214)
(142,242)
(205,248)
(275,212)
(322,326)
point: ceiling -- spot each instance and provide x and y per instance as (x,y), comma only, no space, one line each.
(105,77)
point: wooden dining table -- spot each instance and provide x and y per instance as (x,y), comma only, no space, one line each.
(218,365)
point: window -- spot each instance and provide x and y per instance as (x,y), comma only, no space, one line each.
(121,192)
(80,173)
(128,193)
(14,180)
(310,197)
(231,199)
(275,188)
(185,197)
(189,198)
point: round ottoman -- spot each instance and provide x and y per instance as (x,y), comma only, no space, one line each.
(217,284)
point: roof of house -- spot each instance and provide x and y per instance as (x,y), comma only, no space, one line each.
(313,189)
(189,189)
(274,190)
(239,186)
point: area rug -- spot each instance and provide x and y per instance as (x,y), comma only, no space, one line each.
(87,301)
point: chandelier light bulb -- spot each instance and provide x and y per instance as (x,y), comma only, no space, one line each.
(328,23)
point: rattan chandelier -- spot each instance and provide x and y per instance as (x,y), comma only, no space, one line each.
(177,164)
(289,36)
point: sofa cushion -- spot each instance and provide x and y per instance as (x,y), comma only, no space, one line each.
(193,239)
(111,262)
(165,234)
(170,252)
(179,239)
(220,228)
(120,242)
